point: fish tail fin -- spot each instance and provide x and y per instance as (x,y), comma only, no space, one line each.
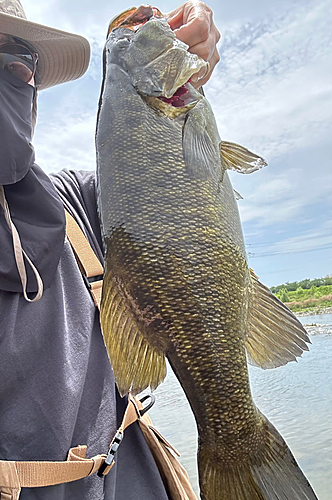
(271,473)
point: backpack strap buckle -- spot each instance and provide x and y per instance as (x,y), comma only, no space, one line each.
(116,441)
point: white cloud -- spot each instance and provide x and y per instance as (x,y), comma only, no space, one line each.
(272,92)
(320,237)
(283,197)
(68,145)
(273,87)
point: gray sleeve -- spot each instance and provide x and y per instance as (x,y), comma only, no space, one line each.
(77,190)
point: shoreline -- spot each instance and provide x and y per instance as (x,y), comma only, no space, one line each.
(314,312)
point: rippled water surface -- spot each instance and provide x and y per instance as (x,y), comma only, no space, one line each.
(297,398)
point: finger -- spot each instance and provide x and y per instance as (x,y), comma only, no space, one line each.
(175,18)
(198,80)
(206,49)
(194,32)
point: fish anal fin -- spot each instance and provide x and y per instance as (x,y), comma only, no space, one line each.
(240,159)
(136,363)
(275,336)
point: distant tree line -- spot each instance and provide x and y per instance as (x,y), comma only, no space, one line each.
(304,284)
(323,293)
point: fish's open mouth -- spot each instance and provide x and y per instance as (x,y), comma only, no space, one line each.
(185,98)
(180,98)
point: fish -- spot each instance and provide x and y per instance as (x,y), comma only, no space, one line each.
(177,284)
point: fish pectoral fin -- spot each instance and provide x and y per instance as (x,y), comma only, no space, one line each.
(200,152)
(275,335)
(240,159)
(136,364)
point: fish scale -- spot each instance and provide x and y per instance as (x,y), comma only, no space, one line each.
(177,283)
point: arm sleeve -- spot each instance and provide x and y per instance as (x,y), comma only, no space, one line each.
(77,190)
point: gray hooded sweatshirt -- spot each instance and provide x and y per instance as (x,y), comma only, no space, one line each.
(57,387)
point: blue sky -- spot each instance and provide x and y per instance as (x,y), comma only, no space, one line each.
(271,92)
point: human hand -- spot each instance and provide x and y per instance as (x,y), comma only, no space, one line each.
(193,24)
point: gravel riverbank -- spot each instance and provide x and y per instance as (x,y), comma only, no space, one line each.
(312,312)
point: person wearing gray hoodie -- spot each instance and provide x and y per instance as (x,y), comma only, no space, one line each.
(57,387)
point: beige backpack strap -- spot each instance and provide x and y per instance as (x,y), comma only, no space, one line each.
(173,474)
(17,475)
(19,253)
(130,416)
(88,263)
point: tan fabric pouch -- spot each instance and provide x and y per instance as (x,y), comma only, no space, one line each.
(174,475)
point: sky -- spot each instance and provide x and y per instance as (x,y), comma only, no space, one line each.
(271,92)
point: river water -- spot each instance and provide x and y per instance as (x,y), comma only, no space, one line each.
(297,399)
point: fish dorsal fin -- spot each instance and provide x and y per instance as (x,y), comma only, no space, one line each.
(136,364)
(240,159)
(275,335)
(237,195)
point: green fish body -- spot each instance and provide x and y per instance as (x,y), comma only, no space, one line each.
(177,283)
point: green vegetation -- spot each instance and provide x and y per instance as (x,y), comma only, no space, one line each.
(307,295)
(305,284)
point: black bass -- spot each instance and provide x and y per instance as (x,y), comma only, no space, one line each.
(176,282)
